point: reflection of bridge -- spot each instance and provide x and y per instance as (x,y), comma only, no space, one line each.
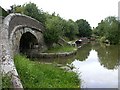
(18,33)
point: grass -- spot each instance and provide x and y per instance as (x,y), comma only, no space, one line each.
(6,82)
(61,49)
(38,75)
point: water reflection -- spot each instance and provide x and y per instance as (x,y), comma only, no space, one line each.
(100,69)
(109,56)
(83,52)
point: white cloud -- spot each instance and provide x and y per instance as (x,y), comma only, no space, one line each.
(91,10)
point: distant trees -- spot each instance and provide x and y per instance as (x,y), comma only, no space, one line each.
(84,28)
(70,29)
(55,26)
(108,29)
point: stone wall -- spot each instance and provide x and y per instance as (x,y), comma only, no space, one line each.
(6,58)
(51,55)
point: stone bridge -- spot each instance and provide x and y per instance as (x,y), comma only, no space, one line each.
(18,33)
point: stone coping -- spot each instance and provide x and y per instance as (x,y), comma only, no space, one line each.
(53,55)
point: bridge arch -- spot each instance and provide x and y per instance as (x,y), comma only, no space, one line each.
(18,24)
(27,42)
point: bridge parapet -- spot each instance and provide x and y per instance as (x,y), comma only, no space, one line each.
(16,19)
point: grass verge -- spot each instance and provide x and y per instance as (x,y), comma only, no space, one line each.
(39,75)
(61,49)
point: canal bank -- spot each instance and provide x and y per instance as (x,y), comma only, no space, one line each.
(63,51)
(93,62)
(42,75)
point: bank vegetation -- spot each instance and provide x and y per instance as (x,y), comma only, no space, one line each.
(40,75)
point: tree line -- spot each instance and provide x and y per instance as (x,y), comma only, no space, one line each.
(56,26)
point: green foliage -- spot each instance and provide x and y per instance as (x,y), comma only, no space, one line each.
(109,57)
(101,28)
(84,28)
(6,82)
(55,26)
(29,9)
(39,75)
(19,9)
(61,49)
(53,30)
(70,29)
(3,12)
(109,28)
(32,10)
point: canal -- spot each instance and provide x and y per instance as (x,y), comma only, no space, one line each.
(96,65)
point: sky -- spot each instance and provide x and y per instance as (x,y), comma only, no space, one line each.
(91,10)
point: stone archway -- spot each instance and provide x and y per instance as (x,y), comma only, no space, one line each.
(11,31)
(27,42)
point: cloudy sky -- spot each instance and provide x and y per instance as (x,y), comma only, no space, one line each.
(91,10)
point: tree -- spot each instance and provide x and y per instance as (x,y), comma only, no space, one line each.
(109,29)
(70,29)
(112,31)
(29,9)
(3,12)
(84,28)
(101,28)
(54,29)
(32,10)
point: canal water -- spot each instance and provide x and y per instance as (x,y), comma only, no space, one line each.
(96,65)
